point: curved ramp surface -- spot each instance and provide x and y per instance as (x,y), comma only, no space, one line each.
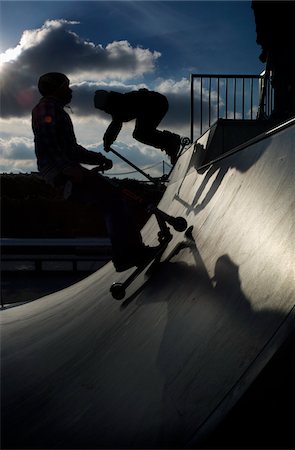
(81,370)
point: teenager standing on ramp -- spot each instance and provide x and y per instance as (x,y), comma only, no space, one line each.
(59,159)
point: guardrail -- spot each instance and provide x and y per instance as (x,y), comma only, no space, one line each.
(47,254)
(228,97)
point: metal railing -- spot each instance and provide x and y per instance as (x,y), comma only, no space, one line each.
(243,97)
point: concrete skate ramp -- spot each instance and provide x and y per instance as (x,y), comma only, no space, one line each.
(163,367)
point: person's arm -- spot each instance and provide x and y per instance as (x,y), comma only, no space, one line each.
(76,173)
(111,133)
(85,156)
(46,121)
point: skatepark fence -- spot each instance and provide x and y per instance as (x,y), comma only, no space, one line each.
(228,97)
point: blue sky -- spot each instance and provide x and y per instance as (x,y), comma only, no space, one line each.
(120,45)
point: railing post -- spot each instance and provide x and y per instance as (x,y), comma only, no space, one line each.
(228,102)
(201,102)
(251,97)
(192,108)
(218,91)
(243,98)
(226,97)
(209,108)
(235,97)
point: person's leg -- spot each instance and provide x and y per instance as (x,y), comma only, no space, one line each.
(127,245)
(154,110)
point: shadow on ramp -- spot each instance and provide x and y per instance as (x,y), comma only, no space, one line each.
(79,371)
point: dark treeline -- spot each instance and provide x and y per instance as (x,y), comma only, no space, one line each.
(31,208)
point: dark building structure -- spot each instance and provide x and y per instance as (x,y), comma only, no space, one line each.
(275,30)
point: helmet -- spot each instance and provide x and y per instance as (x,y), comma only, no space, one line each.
(51,82)
(100,99)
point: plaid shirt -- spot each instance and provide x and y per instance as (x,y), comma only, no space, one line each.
(56,147)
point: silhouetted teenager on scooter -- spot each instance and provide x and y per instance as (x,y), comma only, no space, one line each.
(59,159)
(148,108)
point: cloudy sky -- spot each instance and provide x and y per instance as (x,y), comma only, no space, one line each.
(118,45)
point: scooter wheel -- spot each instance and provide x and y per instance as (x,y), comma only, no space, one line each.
(185,141)
(179,224)
(118,291)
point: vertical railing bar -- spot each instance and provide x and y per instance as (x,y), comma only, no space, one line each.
(218,79)
(271,96)
(251,97)
(201,124)
(226,96)
(260,90)
(263,95)
(239,103)
(192,108)
(267,96)
(209,111)
(243,98)
(235,97)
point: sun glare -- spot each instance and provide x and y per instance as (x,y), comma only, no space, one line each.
(9,55)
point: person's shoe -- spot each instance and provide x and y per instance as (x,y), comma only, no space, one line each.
(136,258)
(173,146)
(146,254)
(121,266)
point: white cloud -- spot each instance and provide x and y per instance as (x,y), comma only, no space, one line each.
(178,95)
(17,155)
(54,47)
(147,158)
(171,86)
(32,38)
(17,148)
(8,166)
(89,66)
(118,66)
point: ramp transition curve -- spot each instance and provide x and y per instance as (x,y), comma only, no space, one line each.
(81,370)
